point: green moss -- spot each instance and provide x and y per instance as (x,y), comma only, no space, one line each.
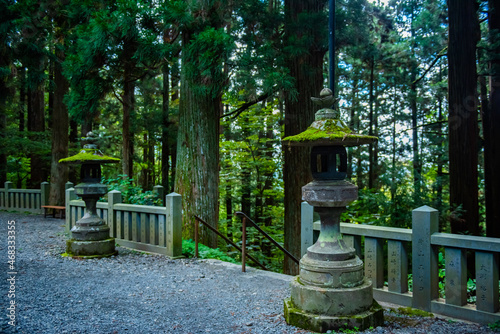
(413,312)
(329,130)
(89,155)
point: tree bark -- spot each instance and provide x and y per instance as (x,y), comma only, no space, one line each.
(307,70)
(4,93)
(491,125)
(462,120)
(36,121)
(165,144)
(22,97)
(60,136)
(197,171)
(128,110)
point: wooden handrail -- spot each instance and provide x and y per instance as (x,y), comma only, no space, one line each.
(245,218)
(242,251)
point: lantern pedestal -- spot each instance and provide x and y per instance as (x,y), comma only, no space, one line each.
(331,291)
(90,235)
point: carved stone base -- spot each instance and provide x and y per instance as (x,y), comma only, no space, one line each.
(372,317)
(99,248)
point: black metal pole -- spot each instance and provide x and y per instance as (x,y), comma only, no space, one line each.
(331,44)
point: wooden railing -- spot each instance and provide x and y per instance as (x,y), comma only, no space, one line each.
(155,229)
(424,241)
(24,200)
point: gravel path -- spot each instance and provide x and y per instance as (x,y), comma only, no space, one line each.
(141,293)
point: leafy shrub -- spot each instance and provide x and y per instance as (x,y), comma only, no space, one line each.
(132,194)
(204,252)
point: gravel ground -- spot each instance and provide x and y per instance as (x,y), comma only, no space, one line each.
(142,293)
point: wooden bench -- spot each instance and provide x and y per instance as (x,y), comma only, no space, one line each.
(55,209)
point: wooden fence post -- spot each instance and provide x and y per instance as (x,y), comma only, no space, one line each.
(374,261)
(114,197)
(45,192)
(160,192)
(68,185)
(7,187)
(174,224)
(424,257)
(306,227)
(70,195)
(487,282)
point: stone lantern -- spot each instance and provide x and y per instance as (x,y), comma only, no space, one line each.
(90,235)
(331,291)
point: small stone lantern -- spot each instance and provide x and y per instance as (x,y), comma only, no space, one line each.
(331,291)
(90,235)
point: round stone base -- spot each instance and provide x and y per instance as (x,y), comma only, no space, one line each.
(86,232)
(99,248)
(336,302)
(373,317)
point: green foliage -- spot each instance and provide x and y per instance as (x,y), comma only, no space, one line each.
(495,326)
(205,54)
(204,252)
(413,312)
(132,194)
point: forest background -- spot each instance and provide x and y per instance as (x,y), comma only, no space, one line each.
(196,96)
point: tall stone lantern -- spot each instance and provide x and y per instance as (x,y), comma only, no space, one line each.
(90,235)
(331,291)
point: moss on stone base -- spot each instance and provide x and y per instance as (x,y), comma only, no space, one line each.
(88,256)
(374,317)
(88,249)
(413,312)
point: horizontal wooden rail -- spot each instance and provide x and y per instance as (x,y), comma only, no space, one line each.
(239,213)
(225,239)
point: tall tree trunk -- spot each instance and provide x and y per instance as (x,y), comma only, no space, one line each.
(307,70)
(73,144)
(151,162)
(4,94)
(36,121)
(491,132)
(197,174)
(165,143)
(50,104)
(441,148)
(60,137)
(371,148)
(354,107)
(128,107)
(144,173)
(229,189)
(22,98)
(417,167)
(393,153)
(269,174)
(462,120)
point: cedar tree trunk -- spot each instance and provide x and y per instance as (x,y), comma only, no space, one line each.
(307,70)
(462,120)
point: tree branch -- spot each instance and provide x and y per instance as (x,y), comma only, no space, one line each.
(441,54)
(235,113)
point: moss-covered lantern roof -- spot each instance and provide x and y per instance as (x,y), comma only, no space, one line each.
(327,129)
(90,153)
(87,155)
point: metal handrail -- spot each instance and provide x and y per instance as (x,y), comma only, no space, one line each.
(244,220)
(242,251)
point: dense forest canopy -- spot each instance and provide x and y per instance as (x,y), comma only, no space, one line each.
(196,96)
